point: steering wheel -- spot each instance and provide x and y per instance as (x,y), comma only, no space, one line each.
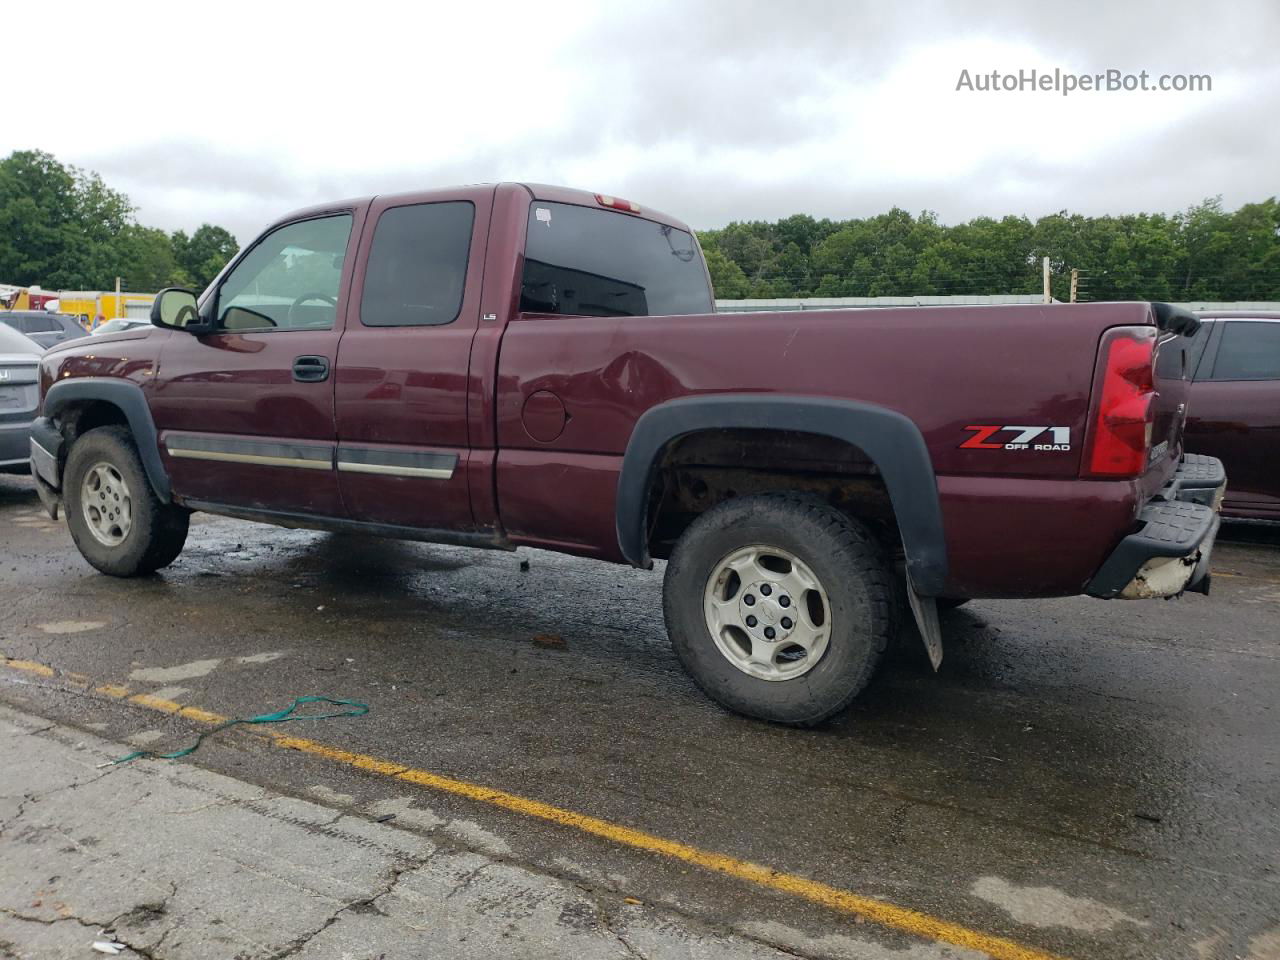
(332,301)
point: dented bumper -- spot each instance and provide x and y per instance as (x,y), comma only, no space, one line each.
(1170,552)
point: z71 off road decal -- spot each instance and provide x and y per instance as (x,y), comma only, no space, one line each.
(1025,438)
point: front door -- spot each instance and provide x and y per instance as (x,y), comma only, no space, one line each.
(245,414)
(402,381)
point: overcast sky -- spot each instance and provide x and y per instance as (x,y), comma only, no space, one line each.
(234,113)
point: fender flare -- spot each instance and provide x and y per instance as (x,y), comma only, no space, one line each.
(129,398)
(892,441)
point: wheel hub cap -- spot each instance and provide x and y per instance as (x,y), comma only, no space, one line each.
(767,612)
(107,504)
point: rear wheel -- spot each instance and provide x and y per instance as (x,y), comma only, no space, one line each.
(779,606)
(116,520)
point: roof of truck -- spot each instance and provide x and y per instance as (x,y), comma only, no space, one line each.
(537,191)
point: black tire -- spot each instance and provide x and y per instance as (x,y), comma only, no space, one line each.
(847,561)
(158,530)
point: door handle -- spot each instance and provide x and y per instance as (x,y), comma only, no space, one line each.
(311,369)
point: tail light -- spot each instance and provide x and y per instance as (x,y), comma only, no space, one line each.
(616,203)
(1120,440)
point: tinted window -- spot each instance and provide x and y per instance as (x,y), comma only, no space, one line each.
(33,323)
(1172,361)
(417,265)
(289,280)
(1195,349)
(1248,351)
(599,263)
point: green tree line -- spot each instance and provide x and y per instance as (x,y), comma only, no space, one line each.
(65,229)
(1202,253)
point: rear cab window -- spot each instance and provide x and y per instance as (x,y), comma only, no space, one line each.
(580,261)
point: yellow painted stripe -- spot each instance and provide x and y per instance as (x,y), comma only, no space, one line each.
(1246,576)
(878,911)
(29,666)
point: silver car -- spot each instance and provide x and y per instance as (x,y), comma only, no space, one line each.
(19,397)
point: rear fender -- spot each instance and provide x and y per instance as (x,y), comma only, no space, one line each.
(892,442)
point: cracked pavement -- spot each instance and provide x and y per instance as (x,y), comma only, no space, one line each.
(272,876)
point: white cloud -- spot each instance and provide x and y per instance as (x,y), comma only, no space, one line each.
(713,110)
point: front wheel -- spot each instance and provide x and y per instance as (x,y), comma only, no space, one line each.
(116,520)
(779,607)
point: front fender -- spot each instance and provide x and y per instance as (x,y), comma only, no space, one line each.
(128,397)
(892,442)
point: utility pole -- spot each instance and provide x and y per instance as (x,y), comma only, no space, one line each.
(1075,283)
(118,312)
(1048,298)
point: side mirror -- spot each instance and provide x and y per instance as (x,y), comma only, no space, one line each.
(175,309)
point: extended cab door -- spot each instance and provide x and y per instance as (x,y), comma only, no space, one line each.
(402,376)
(1235,412)
(245,414)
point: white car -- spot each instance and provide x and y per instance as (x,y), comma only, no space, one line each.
(119,324)
(19,398)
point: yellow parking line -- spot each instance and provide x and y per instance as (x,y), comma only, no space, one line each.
(878,911)
(30,666)
(1245,576)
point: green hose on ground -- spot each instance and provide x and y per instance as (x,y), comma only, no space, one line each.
(280,716)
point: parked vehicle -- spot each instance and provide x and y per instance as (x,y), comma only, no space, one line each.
(1235,407)
(117,325)
(43,327)
(19,398)
(529,365)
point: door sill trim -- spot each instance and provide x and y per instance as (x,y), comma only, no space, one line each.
(489,539)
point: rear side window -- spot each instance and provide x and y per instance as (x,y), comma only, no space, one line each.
(598,263)
(39,324)
(418,265)
(1248,351)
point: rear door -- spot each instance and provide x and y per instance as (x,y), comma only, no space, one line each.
(402,376)
(246,413)
(1235,412)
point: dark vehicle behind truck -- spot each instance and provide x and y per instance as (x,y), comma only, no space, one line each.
(1235,407)
(515,365)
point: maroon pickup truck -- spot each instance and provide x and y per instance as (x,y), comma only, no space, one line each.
(512,365)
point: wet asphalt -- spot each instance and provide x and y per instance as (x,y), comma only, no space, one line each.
(1091,779)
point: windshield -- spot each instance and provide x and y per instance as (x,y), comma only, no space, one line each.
(599,263)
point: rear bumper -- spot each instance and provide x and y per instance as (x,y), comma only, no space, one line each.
(13,445)
(1170,552)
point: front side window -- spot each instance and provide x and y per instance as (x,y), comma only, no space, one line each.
(418,265)
(1248,351)
(600,263)
(289,280)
